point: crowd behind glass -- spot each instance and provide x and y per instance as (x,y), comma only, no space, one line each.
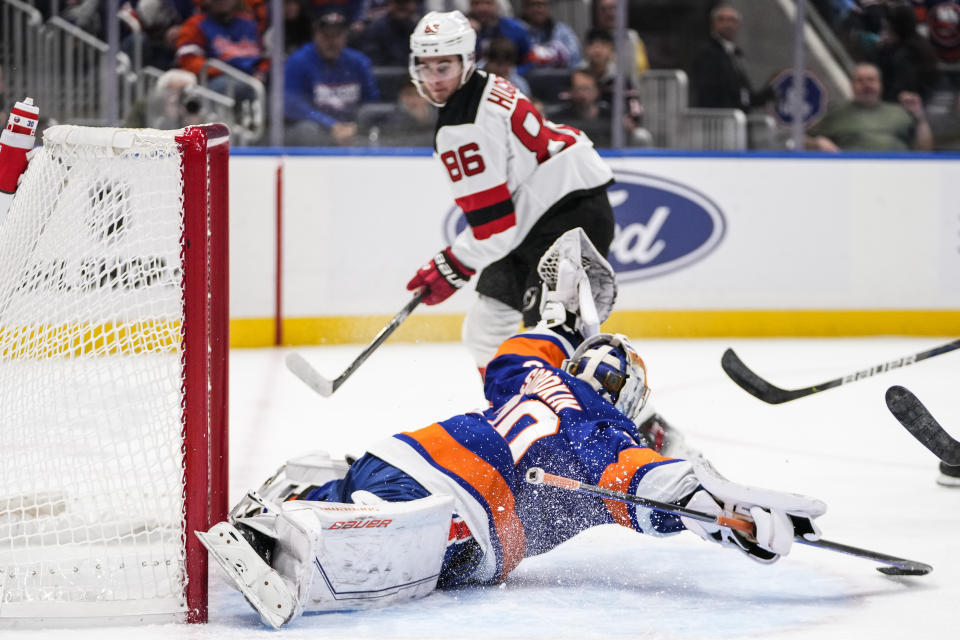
(345,72)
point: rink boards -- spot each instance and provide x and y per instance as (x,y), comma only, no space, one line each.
(323,242)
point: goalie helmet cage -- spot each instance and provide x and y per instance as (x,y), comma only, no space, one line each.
(114,340)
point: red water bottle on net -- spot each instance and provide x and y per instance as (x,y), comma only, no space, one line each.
(15,141)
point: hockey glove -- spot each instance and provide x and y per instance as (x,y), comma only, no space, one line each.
(774,535)
(778,517)
(441,277)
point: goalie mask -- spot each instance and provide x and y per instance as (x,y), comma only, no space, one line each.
(442,34)
(609,364)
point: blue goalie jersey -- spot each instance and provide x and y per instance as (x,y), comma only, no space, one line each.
(540,416)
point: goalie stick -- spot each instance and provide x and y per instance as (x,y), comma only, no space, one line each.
(299,366)
(915,417)
(893,566)
(760,388)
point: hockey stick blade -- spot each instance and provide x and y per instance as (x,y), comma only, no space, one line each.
(299,366)
(771,394)
(916,419)
(757,386)
(893,566)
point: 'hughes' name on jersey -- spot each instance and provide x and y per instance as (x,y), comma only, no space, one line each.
(508,165)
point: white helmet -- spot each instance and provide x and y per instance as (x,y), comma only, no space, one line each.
(609,364)
(443,34)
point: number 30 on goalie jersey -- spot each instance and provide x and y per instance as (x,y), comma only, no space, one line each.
(508,165)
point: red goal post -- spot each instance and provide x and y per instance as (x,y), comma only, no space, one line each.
(114,338)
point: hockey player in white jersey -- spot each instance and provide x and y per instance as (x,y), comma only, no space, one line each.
(521,181)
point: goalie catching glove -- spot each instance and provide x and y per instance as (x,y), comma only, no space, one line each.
(441,277)
(778,517)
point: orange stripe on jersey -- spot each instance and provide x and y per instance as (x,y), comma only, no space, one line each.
(481,199)
(618,475)
(537,348)
(485,480)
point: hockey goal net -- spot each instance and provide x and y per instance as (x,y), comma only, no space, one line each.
(113,380)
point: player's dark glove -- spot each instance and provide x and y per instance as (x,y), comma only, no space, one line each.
(441,277)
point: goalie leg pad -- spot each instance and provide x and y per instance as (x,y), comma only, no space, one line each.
(247,572)
(374,554)
(341,556)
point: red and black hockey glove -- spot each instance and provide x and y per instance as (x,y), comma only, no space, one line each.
(440,277)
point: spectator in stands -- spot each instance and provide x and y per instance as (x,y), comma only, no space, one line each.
(600,62)
(259,10)
(226,33)
(352,9)
(170,105)
(386,41)
(325,83)
(862,29)
(502,60)
(906,59)
(836,12)
(553,43)
(486,19)
(718,78)
(411,124)
(584,109)
(160,22)
(85,14)
(356,12)
(463,6)
(588,111)
(866,123)
(605,17)
(943,25)
(297,27)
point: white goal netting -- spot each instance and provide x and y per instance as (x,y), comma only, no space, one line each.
(91,379)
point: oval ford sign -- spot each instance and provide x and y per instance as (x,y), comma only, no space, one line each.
(661,225)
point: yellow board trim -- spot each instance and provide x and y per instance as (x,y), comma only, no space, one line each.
(333,330)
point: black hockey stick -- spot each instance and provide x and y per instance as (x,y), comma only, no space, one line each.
(299,366)
(760,388)
(893,566)
(913,415)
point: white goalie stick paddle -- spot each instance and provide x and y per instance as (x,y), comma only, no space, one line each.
(921,424)
(893,566)
(299,366)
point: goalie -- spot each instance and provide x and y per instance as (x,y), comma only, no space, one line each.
(447,505)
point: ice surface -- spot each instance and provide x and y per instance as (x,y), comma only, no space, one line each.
(841,446)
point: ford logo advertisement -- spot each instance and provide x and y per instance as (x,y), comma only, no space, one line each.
(662,225)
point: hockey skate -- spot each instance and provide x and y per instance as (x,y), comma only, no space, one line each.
(250,574)
(579,285)
(658,435)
